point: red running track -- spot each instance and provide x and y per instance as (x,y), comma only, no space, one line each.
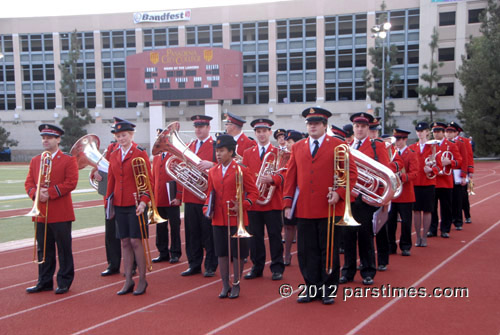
(178,305)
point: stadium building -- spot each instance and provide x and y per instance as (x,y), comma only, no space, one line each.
(296,54)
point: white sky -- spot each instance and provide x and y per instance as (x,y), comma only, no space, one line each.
(31,8)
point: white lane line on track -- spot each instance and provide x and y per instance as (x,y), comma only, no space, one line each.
(372,317)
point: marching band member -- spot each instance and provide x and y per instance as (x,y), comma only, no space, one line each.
(470,174)
(349,133)
(292,137)
(311,165)
(57,196)
(234,125)
(198,229)
(444,183)
(280,135)
(267,216)
(363,213)
(424,185)
(403,204)
(120,196)
(222,189)
(111,243)
(168,197)
(459,175)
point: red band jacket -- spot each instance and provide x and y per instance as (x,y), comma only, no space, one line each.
(63,180)
(313,176)
(470,154)
(160,179)
(121,180)
(224,189)
(243,144)
(446,181)
(422,179)
(251,159)
(408,175)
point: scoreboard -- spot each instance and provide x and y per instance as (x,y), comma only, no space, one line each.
(191,73)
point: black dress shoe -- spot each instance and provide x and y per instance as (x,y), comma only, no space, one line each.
(304,299)
(277,276)
(141,292)
(109,272)
(328,301)
(445,235)
(235,292)
(209,273)
(459,228)
(341,250)
(160,259)
(406,253)
(429,234)
(190,272)
(38,288)
(62,290)
(253,275)
(382,268)
(368,281)
(468,220)
(344,280)
(174,260)
(130,289)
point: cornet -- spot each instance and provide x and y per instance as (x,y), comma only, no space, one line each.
(43,181)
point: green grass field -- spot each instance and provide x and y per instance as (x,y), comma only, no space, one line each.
(12,179)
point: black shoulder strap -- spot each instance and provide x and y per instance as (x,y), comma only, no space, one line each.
(374,147)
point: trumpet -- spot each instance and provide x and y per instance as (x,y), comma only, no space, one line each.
(43,181)
(470,187)
(241,232)
(86,151)
(182,166)
(340,179)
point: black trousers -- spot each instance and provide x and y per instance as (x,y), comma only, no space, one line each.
(382,241)
(199,236)
(405,210)
(273,222)
(113,245)
(466,204)
(311,253)
(360,236)
(444,196)
(58,233)
(173,215)
(456,205)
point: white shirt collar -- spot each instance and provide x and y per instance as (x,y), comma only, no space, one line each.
(265,147)
(224,168)
(320,141)
(237,137)
(355,142)
(124,153)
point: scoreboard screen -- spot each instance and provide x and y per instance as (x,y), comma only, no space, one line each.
(192,73)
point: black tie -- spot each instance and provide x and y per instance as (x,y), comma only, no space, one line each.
(262,153)
(358,145)
(316,147)
(199,146)
(399,152)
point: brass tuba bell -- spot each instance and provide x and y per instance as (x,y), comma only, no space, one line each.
(86,151)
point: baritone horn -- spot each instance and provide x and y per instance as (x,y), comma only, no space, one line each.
(340,179)
(446,155)
(182,166)
(271,165)
(43,181)
(86,151)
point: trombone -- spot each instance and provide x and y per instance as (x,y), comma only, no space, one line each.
(143,185)
(340,179)
(241,231)
(43,181)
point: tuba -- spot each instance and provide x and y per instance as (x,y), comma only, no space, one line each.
(86,151)
(271,164)
(376,182)
(182,166)
(43,181)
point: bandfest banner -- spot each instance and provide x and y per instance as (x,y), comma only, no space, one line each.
(165,16)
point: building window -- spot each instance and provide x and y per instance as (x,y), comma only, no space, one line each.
(412,88)
(204,35)
(446,54)
(447,19)
(475,15)
(161,37)
(449,89)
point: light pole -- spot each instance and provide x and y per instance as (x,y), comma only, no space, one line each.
(380,31)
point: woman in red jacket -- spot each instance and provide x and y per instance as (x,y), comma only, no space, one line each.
(120,192)
(221,190)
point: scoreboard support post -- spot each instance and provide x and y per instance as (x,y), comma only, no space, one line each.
(156,120)
(213,109)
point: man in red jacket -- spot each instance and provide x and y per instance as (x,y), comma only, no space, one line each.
(63,178)
(403,204)
(198,229)
(268,215)
(234,126)
(168,200)
(308,194)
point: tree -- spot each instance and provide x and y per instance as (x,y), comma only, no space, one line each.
(480,76)
(373,79)
(4,139)
(429,94)
(77,118)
